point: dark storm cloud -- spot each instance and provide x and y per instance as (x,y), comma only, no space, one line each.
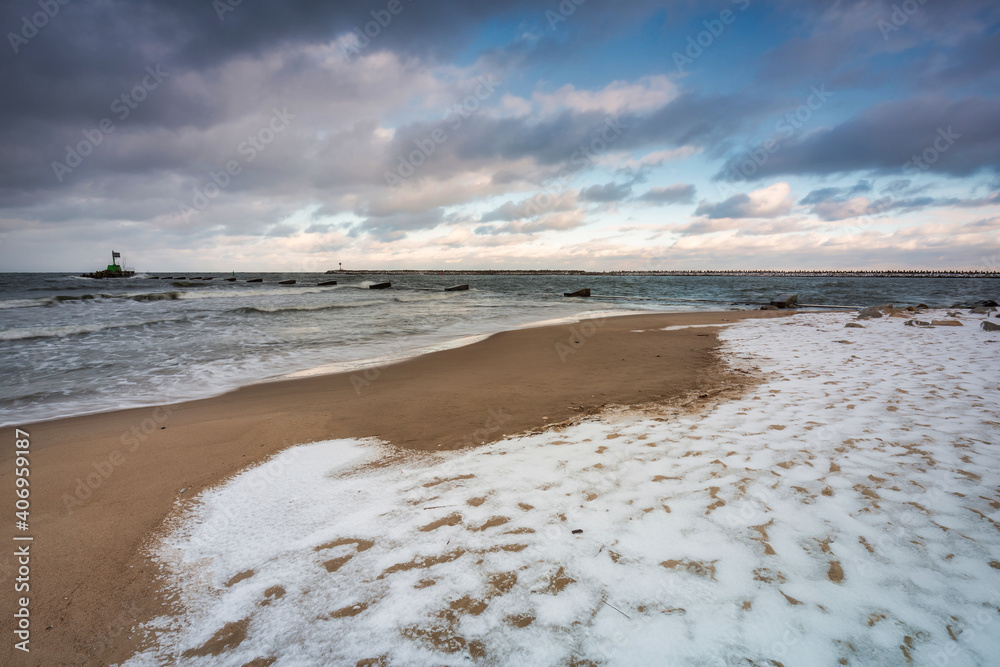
(736,206)
(222,69)
(195,33)
(917,203)
(833,204)
(484,138)
(396,225)
(609,192)
(69,73)
(701,119)
(87,53)
(570,139)
(973,61)
(679,193)
(769,202)
(911,137)
(59,104)
(837,37)
(531,207)
(836,194)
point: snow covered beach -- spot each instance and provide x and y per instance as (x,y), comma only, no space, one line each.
(844,511)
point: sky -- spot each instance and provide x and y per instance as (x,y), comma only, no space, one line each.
(219,135)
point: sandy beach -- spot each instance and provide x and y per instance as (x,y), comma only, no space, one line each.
(103,484)
(842,509)
(504,334)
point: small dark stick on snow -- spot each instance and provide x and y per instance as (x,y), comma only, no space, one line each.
(616,609)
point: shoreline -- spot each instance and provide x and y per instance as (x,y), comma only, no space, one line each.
(392,356)
(386,353)
(102,484)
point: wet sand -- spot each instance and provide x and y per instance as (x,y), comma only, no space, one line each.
(102,485)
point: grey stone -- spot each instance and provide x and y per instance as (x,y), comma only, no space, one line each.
(991,326)
(869,312)
(785,301)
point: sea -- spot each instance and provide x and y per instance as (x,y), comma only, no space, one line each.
(71,345)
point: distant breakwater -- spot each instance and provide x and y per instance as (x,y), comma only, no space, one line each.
(805,273)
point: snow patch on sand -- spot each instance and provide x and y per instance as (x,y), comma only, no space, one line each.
(847,508)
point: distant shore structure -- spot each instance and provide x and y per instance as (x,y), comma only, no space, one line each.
(114,270)
(804,273)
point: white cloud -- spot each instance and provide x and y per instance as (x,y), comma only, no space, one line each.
(532,207)
(678,193)
(653,159)
(560,221)
(645,94)
(842,210)
(768,202)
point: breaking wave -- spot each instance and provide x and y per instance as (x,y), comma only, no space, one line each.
(265,310)
(76,330)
